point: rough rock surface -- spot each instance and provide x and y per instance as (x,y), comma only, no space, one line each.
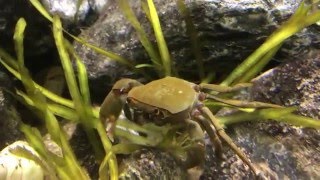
(151,164)
(280,150)
(228,32)
(38,39)
(292,84)
(9,121)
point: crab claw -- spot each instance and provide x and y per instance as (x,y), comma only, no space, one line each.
(114,103)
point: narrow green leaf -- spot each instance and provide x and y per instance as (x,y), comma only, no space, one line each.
(162,45)
(99,50)
(50,95)
(18,38)
(299,20)
(41,9)
(257,68)
(8,59)
(34,138)
(82,75)
(193,34)
(57,109)
(66,63)
(144,66)
(143,37)
(112,160)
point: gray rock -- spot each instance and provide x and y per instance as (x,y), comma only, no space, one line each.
(151,164)
(74,16)
(67,9)
(228,31)
(292,84)
(9,124)
(280,150)
(38,39)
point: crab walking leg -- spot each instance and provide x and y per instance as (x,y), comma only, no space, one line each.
(224,89)
(195,151)
(212,135)
(227,139)
(243,104)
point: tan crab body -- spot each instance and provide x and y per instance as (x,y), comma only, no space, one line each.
(173,100)
(170,93)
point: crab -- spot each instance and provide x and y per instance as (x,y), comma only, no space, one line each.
(175,101)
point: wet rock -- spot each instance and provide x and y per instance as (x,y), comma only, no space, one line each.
(281,151)
(67,9)
(82,149)
(9,124)
(151,164)
(38,39)
(292,155)
(228,31)
(292,84)
(73,13)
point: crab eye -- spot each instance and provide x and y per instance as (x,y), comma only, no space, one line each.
(159,113)
(129,100)
(156,111)
(117,92)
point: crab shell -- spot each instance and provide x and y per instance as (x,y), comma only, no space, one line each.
(169,95)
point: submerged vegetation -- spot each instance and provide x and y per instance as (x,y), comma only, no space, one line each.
(80,110)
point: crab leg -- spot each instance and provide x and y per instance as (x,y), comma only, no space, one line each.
(243,104)
(212,135)
(227,139)
(114,103)
(223,89)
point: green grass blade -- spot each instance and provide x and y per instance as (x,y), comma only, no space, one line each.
(131,17)
(298,120)
(193,34)
(109,54)
(297,22)
(162,45)
(112,161)
(282,115)
(82,75)
(34,138)
(145,8)
(99,50)
(144,66)
(257,68)
(50,95)
(80,106)
(18,38)
(41,9)
(57,109)
(66,63)
(12,62)
(73,86)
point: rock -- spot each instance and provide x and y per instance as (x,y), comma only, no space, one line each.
(228,31)
(38,37)
(68,12)
(280,150)
(292,84)
(17,167)
(151,164)
(9,124)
